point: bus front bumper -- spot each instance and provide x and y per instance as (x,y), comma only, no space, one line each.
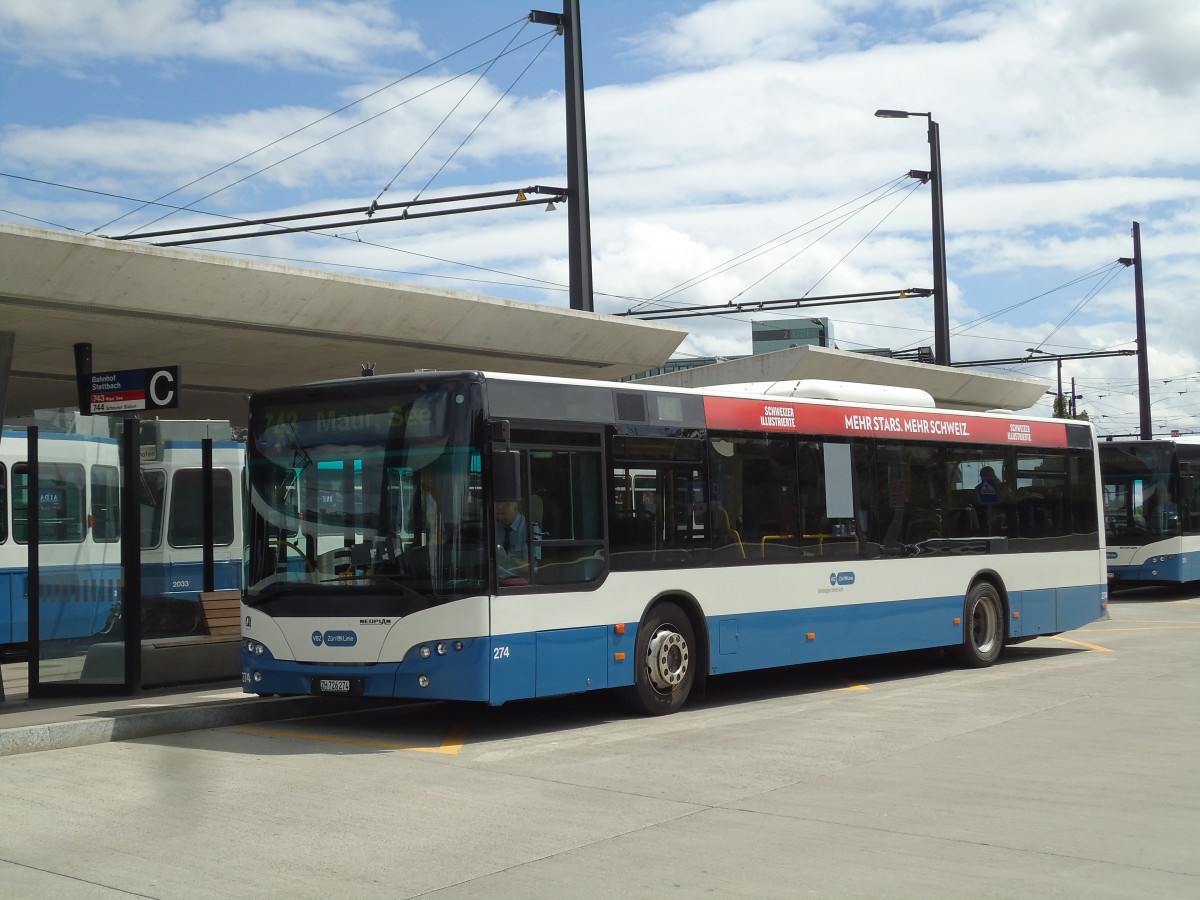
(452,670)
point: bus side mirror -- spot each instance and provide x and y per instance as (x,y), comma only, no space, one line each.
(506,475)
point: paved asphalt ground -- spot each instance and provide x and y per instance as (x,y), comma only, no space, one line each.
(1068,770)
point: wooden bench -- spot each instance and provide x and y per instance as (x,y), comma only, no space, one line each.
(221,613)
(191,658)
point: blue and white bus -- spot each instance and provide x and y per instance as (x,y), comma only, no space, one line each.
(671,535)
(79,497)
(1151,510)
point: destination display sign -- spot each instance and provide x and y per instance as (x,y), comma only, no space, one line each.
(853,421)
(133,389)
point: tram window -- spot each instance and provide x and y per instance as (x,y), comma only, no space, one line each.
(186,526)
(106,504)
(153,494)
(60,498)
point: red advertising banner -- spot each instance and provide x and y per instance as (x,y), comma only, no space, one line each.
(739,414)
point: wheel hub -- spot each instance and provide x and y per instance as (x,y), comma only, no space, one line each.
(985,627)
(667,659)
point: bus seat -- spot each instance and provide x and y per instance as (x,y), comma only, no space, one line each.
(727,533)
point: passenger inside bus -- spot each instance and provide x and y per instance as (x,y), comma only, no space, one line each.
(513,533)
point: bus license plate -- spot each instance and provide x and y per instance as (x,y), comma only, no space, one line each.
(335,685)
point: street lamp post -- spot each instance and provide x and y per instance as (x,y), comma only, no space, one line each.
(941,306)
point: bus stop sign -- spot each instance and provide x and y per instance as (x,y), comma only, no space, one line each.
(133,389)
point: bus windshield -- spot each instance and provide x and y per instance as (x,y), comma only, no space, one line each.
(371,498)
(1140,505)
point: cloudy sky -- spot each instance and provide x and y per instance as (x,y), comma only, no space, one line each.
(733,156)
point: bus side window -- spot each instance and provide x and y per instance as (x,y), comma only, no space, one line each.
(565,506)
(1187,504)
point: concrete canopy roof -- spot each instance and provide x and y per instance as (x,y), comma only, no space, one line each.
(235,326)
(950,388)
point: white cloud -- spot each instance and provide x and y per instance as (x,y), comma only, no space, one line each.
(279,32)
(729,30)
(1155,42)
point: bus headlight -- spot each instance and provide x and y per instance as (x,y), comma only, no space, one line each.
(423,680)
(441,649)
(424,653)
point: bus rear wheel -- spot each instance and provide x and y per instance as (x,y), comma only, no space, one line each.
(983,627)
(665,662)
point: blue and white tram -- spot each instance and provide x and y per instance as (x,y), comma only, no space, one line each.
(79,497)
(173,520)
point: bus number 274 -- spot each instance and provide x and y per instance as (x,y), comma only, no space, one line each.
(499,653)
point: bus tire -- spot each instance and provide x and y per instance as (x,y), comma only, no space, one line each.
(666,658)
(983,628)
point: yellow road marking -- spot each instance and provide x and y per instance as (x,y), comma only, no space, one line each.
(1082,644)
(853,686)
(450,746)
(454,740)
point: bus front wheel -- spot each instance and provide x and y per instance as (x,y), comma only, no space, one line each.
(666,661)
(983,627)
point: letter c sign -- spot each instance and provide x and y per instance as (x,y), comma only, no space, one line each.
(162,388)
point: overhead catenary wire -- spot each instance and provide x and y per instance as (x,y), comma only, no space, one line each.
(479,124)
(13,212)
(1108,277)
(111,196)
(453,109)
(792,234)
(855,246)
(988,317)
(732,306)
(324,140)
